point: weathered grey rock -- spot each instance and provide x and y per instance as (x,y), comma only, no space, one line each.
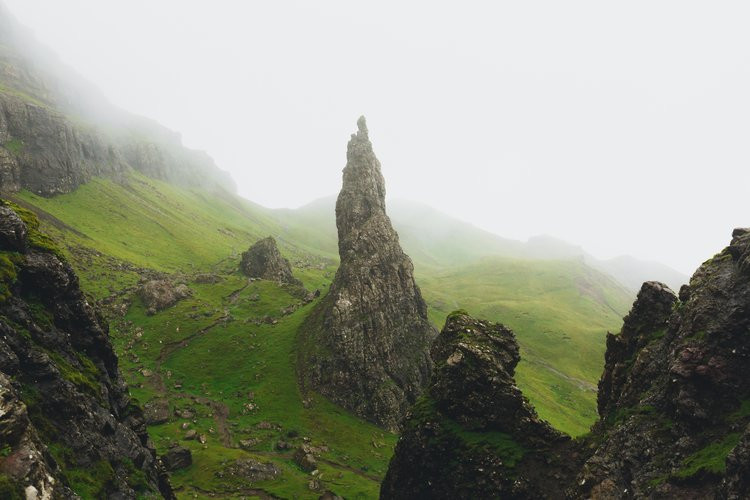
(156,411)
(13,231)
(251,470)
(158,295)
(263,260)
(366,345)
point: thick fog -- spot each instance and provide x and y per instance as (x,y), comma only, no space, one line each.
(619,126)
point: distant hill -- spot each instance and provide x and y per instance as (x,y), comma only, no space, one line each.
(434,239)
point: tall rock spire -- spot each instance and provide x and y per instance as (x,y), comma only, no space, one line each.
(366,346)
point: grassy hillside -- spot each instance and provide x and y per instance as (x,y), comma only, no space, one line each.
(558,309)
(230,340)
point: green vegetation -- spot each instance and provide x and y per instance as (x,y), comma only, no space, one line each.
(559,311)
(9,489)
(14,146)
(711,459)
(452,435)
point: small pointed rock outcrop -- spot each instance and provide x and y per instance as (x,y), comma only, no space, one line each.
(366,345)
(473,434)
(263,260)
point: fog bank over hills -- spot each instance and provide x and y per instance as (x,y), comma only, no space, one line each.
(543,118)
(435,239)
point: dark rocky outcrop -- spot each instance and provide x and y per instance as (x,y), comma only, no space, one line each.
(66,419)
(366,345)
(674,405)
(263,260)
(473,434)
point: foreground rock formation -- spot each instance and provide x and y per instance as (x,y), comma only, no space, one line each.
(473,434)
(263,260)
(66,421)
(366,346)
(674,406)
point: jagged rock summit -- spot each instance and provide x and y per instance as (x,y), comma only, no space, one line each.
(263,260)
(67,422)
(674,406)
(366,345)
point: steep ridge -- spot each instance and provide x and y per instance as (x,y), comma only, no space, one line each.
(674,403)
(57,132)
(67,422)
(365,346)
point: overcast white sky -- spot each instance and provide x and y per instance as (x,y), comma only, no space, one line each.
(620,126)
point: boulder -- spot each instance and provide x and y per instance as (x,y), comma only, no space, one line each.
(177,458)
(158,295)
(263,260)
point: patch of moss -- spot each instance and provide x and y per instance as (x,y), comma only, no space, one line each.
(10,489)
(36,238)
(8,273)
(91,481)
(742,412)
(14,146)
(457,313)
(136,478)
(710,459)
(85,378)
(497,443)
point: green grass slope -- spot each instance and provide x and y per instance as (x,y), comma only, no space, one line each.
(213,351)
(559,311)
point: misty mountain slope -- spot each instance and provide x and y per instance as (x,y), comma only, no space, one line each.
(57,131)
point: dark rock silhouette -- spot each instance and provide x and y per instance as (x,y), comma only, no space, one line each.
(366,346)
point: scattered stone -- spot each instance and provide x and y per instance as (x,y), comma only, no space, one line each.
(283,445)
(247,444)
(251,470)
(208,278)
(202,439)
(305,459)
(156,411)
(190,435)
(158,295)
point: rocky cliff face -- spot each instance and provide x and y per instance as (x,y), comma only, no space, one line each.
(366,345)
(56,131)
(263,260)
(67,423)
(674,404)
